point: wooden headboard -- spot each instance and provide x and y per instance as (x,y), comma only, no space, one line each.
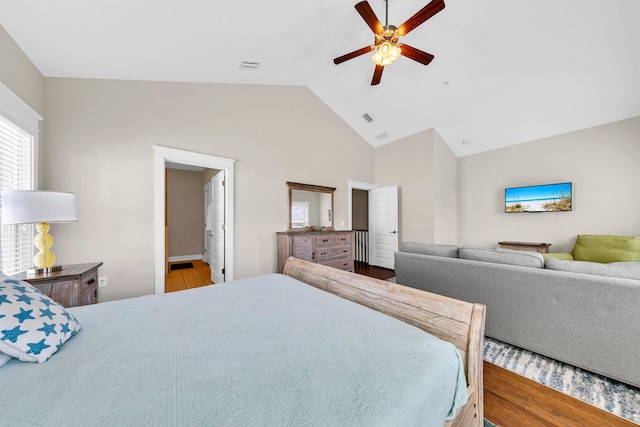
(458,322)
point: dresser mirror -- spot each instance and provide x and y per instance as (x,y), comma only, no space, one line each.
(310,207)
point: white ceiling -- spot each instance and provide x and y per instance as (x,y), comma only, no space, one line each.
(505,71)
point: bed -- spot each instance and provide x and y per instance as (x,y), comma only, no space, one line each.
(261,351)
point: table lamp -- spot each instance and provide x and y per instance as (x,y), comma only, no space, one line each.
(40,208)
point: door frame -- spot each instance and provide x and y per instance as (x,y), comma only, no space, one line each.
(216,231)
(207,200)
(162,155)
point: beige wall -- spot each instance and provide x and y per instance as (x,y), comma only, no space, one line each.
(408,163)
(19,74)
(445,204)
(185,212)
(101,132)
(602,162)
(424,168)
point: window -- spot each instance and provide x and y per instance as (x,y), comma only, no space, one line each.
(299,214)
(18,159)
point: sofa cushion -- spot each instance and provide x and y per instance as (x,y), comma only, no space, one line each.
(626,270)
(605,248)
(450,251)
(559,255)
(502,256)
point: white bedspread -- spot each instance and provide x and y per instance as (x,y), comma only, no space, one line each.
(263,351)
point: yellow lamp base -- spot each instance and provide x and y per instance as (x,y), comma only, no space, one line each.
(44,259)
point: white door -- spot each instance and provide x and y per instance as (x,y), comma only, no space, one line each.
(383,226)
(217,228)
(206,257)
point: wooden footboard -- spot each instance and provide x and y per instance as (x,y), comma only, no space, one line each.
(458,322)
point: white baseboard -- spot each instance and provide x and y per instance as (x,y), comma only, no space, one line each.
(185,258)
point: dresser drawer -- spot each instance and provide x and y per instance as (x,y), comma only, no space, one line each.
(343,264)
(333,248)
(324,241)
(327,253)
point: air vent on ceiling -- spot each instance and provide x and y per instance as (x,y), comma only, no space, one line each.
(249,65)
(382,136)
(367,117)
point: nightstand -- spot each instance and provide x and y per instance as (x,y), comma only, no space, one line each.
(75,284)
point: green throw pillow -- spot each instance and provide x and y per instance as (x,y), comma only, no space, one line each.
(566,256)
(603,248)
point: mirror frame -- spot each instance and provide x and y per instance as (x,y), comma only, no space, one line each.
(313,188)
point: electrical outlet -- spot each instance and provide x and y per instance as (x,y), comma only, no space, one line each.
(102,282)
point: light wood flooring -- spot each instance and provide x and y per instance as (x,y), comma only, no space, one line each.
(179,280)
(513,400)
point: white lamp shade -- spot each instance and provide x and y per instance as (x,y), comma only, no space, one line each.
(31,207)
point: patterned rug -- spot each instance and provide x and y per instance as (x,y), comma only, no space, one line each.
(607,394)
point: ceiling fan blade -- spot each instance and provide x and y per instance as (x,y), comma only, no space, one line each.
(364,9)
(354,54)
(420,16)
(377,75)
(416,54)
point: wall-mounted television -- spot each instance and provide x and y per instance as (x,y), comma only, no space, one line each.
(539,198)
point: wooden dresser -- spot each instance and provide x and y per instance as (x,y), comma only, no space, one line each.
(75,284)
(332,248)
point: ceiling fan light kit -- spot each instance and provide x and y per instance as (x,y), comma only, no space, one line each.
(386,46)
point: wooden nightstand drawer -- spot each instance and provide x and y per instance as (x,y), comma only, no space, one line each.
(89,289)
(75,284)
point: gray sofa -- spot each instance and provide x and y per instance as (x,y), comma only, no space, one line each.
(586,320)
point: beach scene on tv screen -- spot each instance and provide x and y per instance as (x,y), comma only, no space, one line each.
(539,198)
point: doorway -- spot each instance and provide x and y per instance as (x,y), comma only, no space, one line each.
(373,216)
(164,156)
(187,242)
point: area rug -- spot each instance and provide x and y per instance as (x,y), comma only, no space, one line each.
(181,266)
(602,392)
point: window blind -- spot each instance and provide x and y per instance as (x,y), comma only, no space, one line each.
(16,173)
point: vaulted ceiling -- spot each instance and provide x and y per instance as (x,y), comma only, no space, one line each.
(505,72)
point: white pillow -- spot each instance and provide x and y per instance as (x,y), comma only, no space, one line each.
(32,325)
(4,358)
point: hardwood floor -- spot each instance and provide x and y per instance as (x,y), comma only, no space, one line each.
(179,280)
(513,400)
(373,271)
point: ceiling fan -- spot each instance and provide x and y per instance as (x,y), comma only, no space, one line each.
(387,37)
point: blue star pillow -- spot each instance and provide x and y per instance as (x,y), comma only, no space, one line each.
(32,325)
